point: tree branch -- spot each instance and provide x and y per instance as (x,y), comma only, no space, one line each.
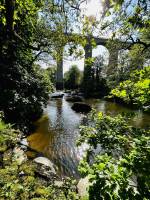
(25,43)
(138,41)
(73,6)
(36,56)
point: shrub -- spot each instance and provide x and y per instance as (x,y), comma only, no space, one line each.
(121,168)
(136,90)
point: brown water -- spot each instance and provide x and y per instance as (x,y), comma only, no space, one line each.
(58,130)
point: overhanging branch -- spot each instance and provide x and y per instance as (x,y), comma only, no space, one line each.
(25,43)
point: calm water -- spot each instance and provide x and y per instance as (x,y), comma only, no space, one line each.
(58,130)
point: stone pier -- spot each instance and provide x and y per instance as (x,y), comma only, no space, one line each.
(59,72)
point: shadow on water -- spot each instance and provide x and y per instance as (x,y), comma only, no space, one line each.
(58,130)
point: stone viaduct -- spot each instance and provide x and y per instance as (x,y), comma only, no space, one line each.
(113,55)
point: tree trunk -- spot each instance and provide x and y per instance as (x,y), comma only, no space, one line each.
(10,7)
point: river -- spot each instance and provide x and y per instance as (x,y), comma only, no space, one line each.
(58,130)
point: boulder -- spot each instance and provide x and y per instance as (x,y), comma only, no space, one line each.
(146,108)
(24,142)
(81,107)
(58,183)
(46,162)
(81,94)
(19,156)
(82,187)
(68,91)
(45,173)
(57,95)
(74,98)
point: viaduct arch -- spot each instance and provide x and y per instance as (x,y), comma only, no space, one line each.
(113,56)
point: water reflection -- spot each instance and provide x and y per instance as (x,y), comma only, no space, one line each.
(57,133)
(111,108)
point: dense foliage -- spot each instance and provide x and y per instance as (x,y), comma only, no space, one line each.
(117,159)
(73,78)
(26,33)
(8,136)
(22,98)
(94,80)
(24,90)
(99,81)
(136,90)
(51,73)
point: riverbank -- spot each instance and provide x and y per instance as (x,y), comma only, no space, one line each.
(134,92)
(23,178)
(131,105)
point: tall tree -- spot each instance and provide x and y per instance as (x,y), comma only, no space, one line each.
(73,78)
(28,28)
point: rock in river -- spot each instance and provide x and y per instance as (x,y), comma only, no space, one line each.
(57,95)
(46,162)
(81,107)
(74,98)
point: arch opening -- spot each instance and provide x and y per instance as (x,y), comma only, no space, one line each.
(73,55)
(101,56)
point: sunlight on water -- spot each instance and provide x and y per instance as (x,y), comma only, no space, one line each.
(41,139)
(58,130)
